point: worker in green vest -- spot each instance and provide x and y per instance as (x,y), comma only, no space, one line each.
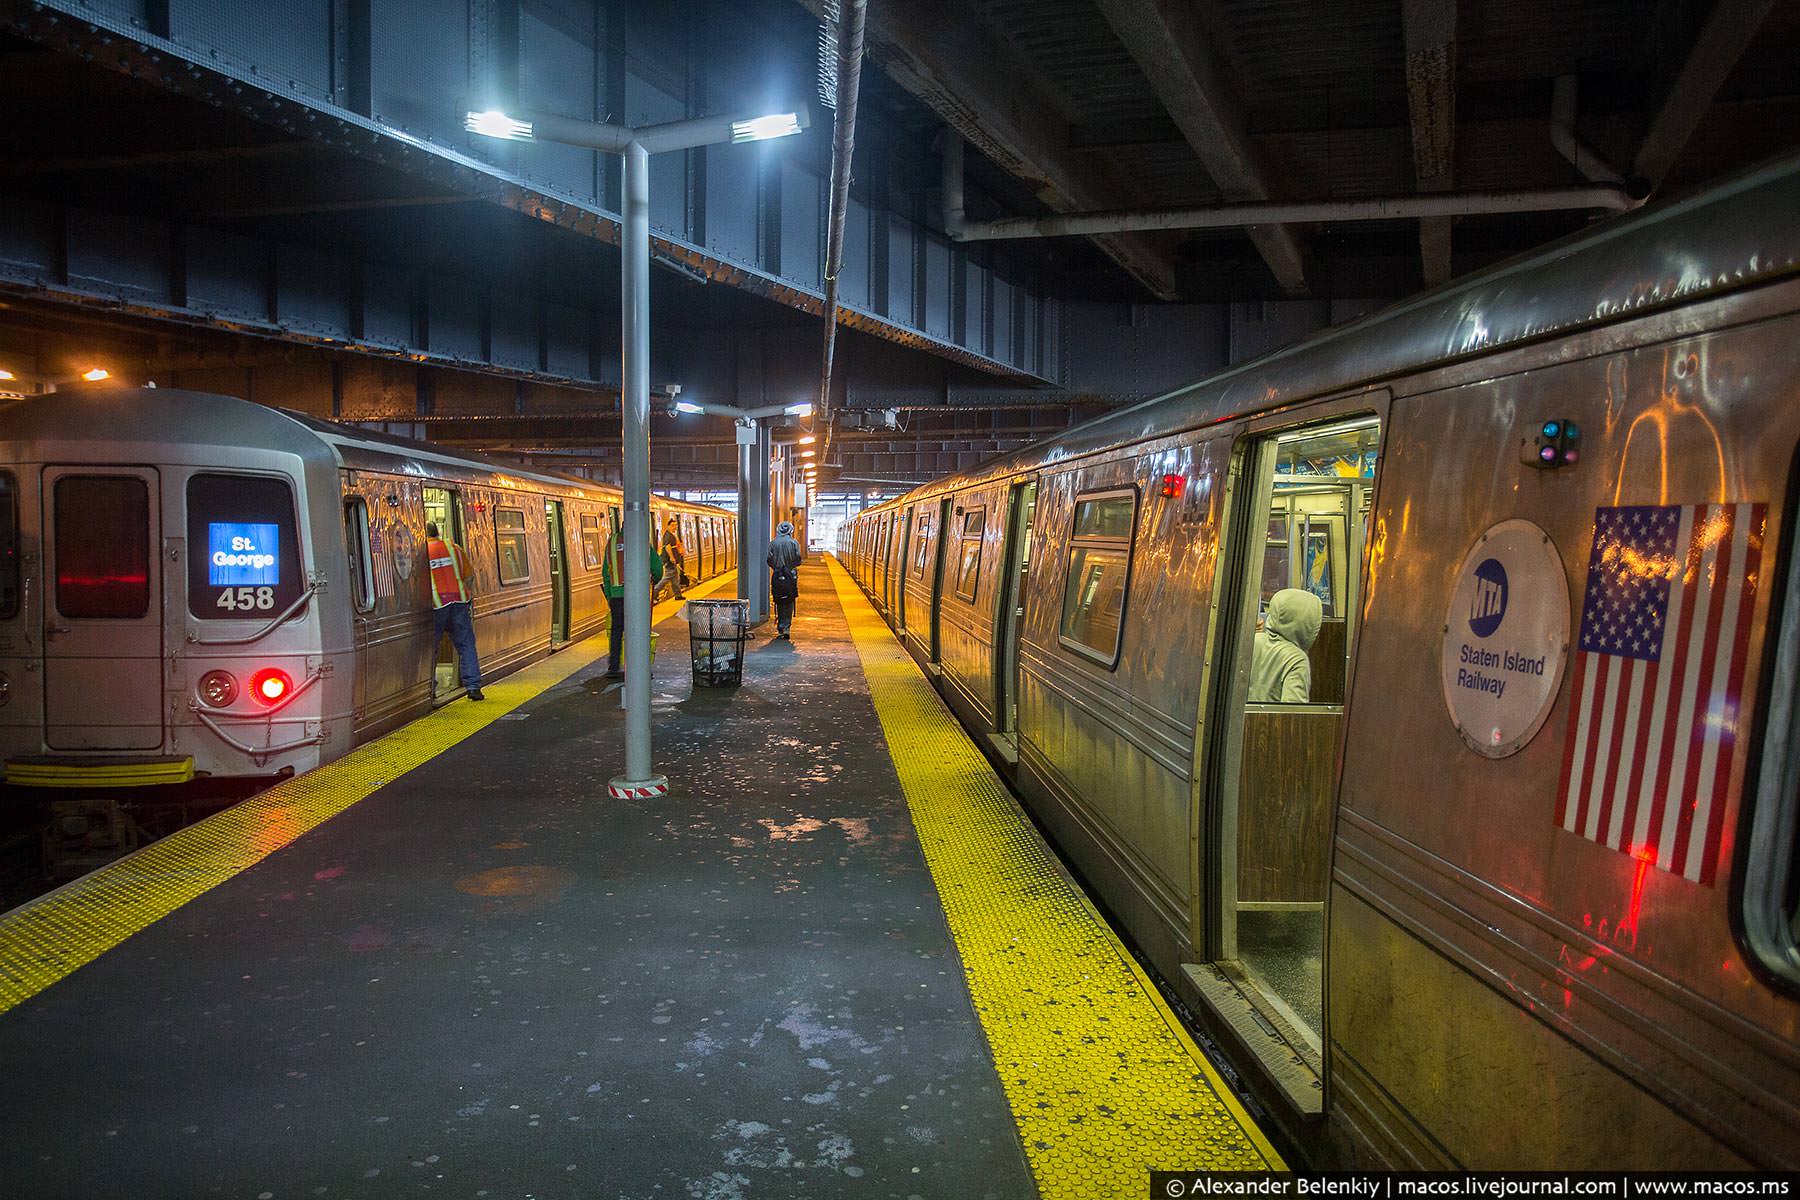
(612,577)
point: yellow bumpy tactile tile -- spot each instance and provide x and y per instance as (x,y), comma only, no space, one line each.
(1104,1082)
(54,935)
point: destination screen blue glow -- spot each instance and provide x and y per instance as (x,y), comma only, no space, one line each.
(243,554)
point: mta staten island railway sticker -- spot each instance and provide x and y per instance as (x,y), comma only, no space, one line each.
(1506,637)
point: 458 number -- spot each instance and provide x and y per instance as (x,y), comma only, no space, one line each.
(247,598)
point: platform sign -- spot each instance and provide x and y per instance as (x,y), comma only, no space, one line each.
(1506,638)
(243,554)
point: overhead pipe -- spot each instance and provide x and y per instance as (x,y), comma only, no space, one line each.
(849,75)
(1581,156)
(1617,198)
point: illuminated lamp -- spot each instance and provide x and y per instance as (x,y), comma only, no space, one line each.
(96,374)
(271,685)
(1173,485)
(803,409)
(5,374)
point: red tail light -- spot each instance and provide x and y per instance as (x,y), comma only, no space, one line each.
(271,685)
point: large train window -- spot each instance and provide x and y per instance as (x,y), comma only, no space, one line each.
(1099,567)
(591,541)
(243,551)
(1770,896)
(362,560)
(968,560)
(509,544)
(9,545)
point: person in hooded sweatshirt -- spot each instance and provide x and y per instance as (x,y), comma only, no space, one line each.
(1280,672)
(784,576)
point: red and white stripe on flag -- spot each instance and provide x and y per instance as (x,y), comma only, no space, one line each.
(1656,697)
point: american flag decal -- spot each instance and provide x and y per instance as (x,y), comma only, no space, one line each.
(1658,677)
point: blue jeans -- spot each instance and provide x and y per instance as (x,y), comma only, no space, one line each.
(456,619)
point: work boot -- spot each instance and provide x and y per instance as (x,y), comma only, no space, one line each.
(614,671)
(475,694)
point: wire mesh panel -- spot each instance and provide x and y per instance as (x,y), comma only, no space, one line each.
(718,631)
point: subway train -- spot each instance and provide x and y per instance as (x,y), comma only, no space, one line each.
(196,586)
(1510,879)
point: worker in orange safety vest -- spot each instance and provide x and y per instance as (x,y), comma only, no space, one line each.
(450,594)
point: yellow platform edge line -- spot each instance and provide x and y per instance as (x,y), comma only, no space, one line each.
(49,938)
(1104,1082)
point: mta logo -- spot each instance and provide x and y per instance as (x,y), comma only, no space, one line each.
(1488,608)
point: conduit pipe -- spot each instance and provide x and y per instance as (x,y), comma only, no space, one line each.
(1615,198)
(1562,135)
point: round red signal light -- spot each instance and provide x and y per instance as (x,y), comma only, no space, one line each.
(271,685)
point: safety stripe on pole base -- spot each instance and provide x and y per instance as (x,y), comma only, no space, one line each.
(54,935)
(1104,1083)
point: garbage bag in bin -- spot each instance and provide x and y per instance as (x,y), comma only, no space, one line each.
(718,631)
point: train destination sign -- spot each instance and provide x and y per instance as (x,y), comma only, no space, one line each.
(243,553)
(1506,638)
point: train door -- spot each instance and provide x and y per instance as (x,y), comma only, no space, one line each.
(1294,602)
(443,508)
(103,617)
(1020,507)
(937,579)
(559,572)
(906,527)
(690,542)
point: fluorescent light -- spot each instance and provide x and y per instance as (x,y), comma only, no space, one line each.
(686,406)
(808,440)
(96,374)
(761,129)
(5,374)
(496,124)
(803,409)
(808,453)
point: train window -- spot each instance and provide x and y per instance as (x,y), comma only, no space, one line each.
(362,561)
(9,545)
(591,541)
(509,542)
(968,561)
(924,543)
(1099,569)
(243,551)
(102,546)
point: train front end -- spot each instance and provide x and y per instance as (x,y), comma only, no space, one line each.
(164,614)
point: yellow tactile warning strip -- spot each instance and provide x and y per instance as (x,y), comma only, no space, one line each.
(1104,1082)
(54,935)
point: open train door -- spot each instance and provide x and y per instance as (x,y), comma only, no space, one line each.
(103,617)
(1021,505)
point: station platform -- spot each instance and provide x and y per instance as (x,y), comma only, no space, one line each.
(836,961)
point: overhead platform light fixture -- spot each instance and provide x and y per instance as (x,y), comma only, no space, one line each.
(762,129)
(496,124)
(688,406)
(803,409)
(96,374)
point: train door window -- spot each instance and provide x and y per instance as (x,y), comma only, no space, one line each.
(102,547)
(509,545)
(362,560)
(443,508)
(590,541)
(968,552)
(244,559)
(1302,534)
(921,555)
(9,546)
(1096,574)
(1023,505)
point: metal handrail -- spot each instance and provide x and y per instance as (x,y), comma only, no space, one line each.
(299,603)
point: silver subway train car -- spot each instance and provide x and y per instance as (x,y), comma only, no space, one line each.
(1508,878)
(193,585)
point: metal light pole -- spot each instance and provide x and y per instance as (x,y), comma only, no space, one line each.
(636,145)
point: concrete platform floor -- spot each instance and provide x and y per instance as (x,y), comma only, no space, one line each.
(488,979)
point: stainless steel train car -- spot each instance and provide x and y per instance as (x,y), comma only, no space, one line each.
(193,585)
(1513,881)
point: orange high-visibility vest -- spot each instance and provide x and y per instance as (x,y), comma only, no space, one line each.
(449,568)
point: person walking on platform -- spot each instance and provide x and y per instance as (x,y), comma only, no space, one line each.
(612,580)
(450,605)
(674,557)
(784,577)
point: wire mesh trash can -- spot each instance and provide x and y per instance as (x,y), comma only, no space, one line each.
(718,631)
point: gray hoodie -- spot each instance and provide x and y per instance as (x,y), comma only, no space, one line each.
(1280,672)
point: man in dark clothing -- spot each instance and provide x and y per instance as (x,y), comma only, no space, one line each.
(784,576)
(612,579)
(674,556)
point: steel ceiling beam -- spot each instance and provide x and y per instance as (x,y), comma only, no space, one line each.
(1728,31)
(1170,44)
(971,78)
(1430,33)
